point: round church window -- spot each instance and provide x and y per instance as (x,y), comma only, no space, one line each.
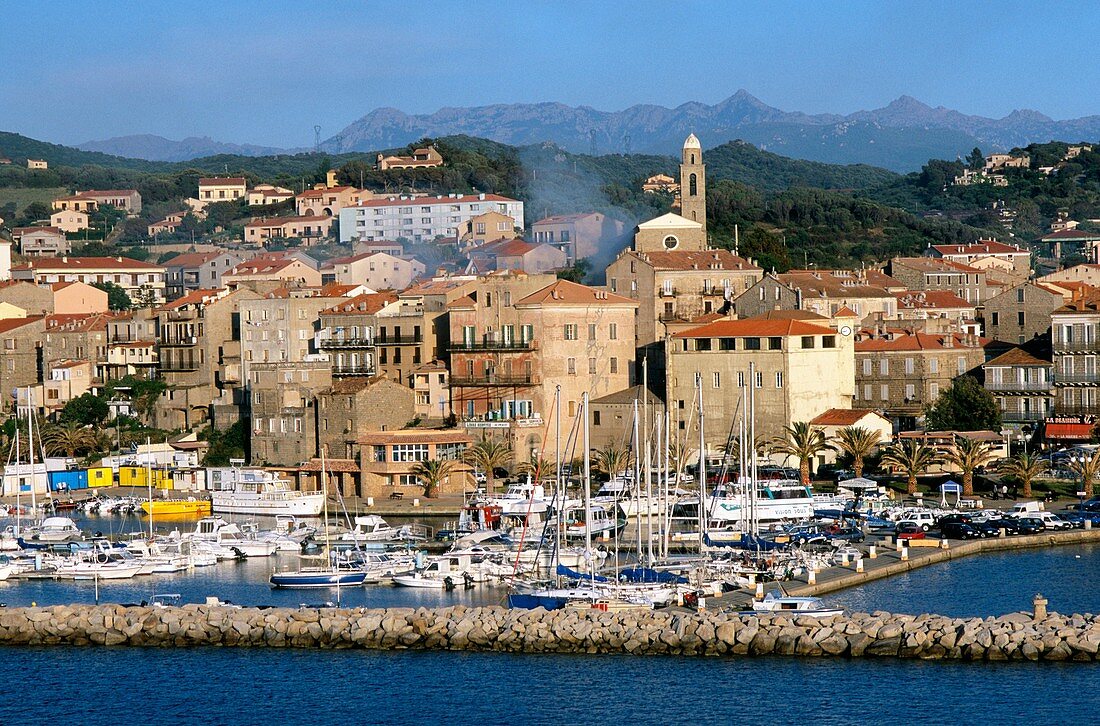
(671,242)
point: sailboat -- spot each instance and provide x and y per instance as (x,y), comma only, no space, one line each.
(329,574)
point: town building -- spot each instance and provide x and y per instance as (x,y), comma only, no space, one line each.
(1022,385)
(510,353)
(221,189)
(80,336)
(518,256)
(424,157)
(486,227)
(823,292)
(431,385)
(933,305)
(34,299)
(612,416)
(376,270)
(128,200)
(327,201)
(69,221)
(263,195)
(931,273)
(21,363)
(42,241)
(389,461)
(78,298)
(1022,312)
(347,333)
(988,254)
(136,358)
(580,235)
(1075,339)
(282,326)
(271,270)
(352,407)
(308,229)
(902,373)
(832,421)
(37,164)
(192,271)
(143,282)
(421,218)
(283,409)
(660,183)
(65,380)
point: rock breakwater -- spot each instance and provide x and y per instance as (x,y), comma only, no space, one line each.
(1018,636)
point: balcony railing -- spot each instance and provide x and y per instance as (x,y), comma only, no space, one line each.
(346,341)
(178,366)
(175,341)
(182,314)
(1023,416)
(1078,346)
(667,292)
(361,369)
(1076,378)
(495,379)
(1076,409)
(492,345)
(1008,386)
(399,340)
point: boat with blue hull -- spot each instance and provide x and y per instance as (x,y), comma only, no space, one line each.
(306,579)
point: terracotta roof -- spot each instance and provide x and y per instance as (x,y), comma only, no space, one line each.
(791,315)
(696,260)
(20,231)
(926,299)
(755,328)
(192,259)
(338,289)
(936,264)
(261,266)
(77,322)
(981,247)
(466,301)
(221,181)
(133,344)
(91,263)
(1070,235)
(13,323)
(346,466)
(426,201)
(362,304)
(845,312)
(1017,357)
(916,341)
(436,286)
(707,318)
(195,297)
(842,417)
(503,248)
(320,193)
(68,363)
(564,292)
(825,285)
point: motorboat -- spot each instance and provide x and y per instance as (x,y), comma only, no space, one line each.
(776,500)
(56,529)
(373,528)
(813,607)
(257,491)
(99,563)
(177,507)
(602,522)
(229,535)
(521,499)
(308,577)
(449,571)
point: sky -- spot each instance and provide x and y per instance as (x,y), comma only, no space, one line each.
(267,72)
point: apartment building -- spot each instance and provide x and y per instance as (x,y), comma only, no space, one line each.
(222,189)
(199,270)
(486,227)
(1023,386)
(801,369)
(424,157)
(142,281)
(42,241)
(421,218)
(518,256)
(822,292)
(1022,312)
(1009,260)
(931,273)
(376,270)
(281,326)
(347,333)
(69,221)
(1075,339)
(128,200)
(579,235)
(327,201)
(22,363)
(308,229)
(933,305)
(901,373)
(270,270)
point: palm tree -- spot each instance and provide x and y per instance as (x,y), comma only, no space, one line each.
(432,474)
(732,449)
(803,442)
(968,455)
(858,443)
(1088,468)
(488,455)
(611,459)
(536,469)
(69,439)
(1025,468)
(913,457)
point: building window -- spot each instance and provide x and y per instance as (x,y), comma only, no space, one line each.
(996,318)
(908,366)
(962,365)
(1020,318)
(591,366)
(740,380)
(884,367)
(867,392)
(595,418)
(571,366)
(807,341)
(828,341)
(884,393)
(410,452)
(614,365)
(571,331)
(752,343)
(759,379)
(866,366)
(933,365)
(934,391)
(591,331)
(910,392)
(1020,295)
(726,344)
(779,379)
(613,331)
(717,382)
(775,344)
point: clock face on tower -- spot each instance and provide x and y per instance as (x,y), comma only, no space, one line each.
(671,242)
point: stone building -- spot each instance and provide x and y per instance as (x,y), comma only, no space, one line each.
(1022,312)
(199,270)
(823,292)
(1022,385)
(352,407)
(1009,260)
(389,460)
(612,416)
(347,333)
(21,363)
(802,369)
(902,373)
(35,299)
(281,326)
(931,273)
(1075,338)
(580,235)
(285,424)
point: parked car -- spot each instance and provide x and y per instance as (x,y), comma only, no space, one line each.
(925,520)
(845,534)
(955,518)
(986,529)
(909,530)
(1053,521)
(1009,525)
(959,530)
(1029,525)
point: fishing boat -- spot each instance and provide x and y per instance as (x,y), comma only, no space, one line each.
(813,607)
(177,507)
(256,491)
(448,571)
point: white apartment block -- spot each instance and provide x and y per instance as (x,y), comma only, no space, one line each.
(420,219)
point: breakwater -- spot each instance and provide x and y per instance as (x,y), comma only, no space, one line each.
(1017,636)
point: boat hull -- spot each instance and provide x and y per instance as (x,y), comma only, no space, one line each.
(198,507)
(316,580)
(305,505)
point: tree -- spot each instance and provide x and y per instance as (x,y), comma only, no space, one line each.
(432,474)
(975,159)
(1087,468)
(117,299)
(803,442)
(964,406)
(85,410)
(578,272)
(969,455)
(69,439)
(537,470)
(913,457)
(611,459)
(231,443)
(858,443)
(488,455)
(1024,468)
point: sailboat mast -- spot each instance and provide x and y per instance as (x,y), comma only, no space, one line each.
(637,490)
(559,486)
(30,448)
(752,445)
(587,490)
(703,504)
(18,484)
(149,482)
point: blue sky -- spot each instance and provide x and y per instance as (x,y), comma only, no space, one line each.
(266,72)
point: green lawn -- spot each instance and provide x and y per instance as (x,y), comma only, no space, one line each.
(22,197)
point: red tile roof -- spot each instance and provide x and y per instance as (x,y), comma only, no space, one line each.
(696,260)
(192,259)
(195,297)
(981,247)
(283,221)
(1017,357)
(755,328)
(19,231)
(1070,235)
(10,324)
(362,304)
(842,417)
(916,341)
(926,299)
(77,264)
(564,292)
(320,193)
(426,201)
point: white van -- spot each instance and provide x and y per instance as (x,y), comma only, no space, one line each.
(1026,509)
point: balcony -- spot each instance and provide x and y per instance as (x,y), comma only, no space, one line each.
(1023,416)
(399,340)
(1079,346)
(492,345)
(672,318)
(1017,387)
(178,366)
(176,341)
(1079,379)
(1076,409)
(346,341)
(495,379)
(714,291)
(667,292)
(359,369)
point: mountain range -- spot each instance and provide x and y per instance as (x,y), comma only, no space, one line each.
(900,136)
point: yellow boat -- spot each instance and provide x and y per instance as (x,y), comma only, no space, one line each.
(177,507)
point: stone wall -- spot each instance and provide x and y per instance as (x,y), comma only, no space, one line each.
(1018,636)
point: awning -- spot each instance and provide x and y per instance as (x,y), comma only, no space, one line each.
(1069,431)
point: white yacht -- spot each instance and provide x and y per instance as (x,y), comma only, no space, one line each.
(230,536)
(256,491)
(804,606)
(776,500)
(372,528)
(56,529)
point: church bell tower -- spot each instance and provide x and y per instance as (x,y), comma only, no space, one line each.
(693,183)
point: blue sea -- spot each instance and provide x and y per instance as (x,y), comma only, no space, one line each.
(269,687)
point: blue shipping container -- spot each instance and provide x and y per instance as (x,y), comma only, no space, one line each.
(68,480)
